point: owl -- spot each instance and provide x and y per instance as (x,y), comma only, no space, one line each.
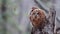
(37,18)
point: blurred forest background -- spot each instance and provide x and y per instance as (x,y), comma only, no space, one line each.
(14,15)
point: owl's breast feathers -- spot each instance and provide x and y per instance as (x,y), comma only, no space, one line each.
(37,17)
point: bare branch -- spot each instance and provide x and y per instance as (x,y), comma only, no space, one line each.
(40,4)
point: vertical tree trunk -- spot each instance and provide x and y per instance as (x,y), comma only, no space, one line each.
(3,10)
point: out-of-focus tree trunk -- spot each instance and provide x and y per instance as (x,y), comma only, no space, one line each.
(3,16)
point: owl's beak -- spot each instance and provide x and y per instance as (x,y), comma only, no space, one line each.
(35,16)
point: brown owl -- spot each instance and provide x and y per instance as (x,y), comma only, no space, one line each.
(37,17)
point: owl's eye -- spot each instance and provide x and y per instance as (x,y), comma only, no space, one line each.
(37,13)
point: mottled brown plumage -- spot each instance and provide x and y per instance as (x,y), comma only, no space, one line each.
(37,18)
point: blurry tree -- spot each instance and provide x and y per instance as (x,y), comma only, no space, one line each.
(8,14)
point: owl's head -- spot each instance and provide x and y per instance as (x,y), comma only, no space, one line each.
(37,16)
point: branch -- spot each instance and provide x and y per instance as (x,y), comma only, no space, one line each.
(52,16)
(40,4)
